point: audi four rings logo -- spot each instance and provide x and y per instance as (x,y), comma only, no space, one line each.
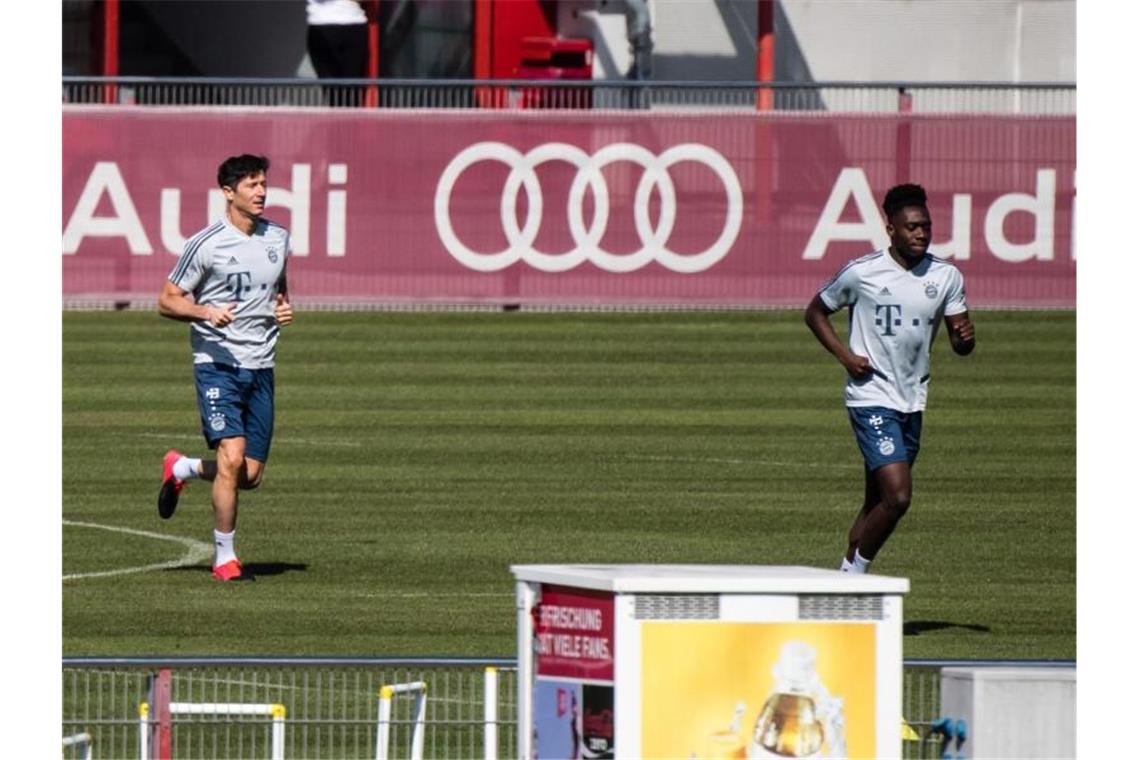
(587,239)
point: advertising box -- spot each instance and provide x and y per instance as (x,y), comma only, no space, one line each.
(707,661)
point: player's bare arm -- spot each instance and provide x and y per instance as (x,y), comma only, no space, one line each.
(817,317)
(176,303)
(961,332)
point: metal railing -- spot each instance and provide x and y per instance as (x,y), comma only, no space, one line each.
(838,97)
(333,707)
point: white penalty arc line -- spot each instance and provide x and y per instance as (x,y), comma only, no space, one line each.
(196,551)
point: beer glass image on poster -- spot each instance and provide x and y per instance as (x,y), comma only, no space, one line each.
(758,690)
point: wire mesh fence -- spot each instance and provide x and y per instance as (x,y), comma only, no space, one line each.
(840,97)
(331,708)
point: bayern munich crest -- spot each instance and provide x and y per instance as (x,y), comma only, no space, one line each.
(272,253)
(931,290)
(886,447)
(217,422)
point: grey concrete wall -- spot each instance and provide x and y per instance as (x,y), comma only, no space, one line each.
(947,40)
(817,40)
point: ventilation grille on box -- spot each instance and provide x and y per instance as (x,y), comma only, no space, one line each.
(677,607)
(846,607)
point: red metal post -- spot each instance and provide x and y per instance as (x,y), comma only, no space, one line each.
(110,48)
(158,728)
(372,9)
(765,51)
(765,72)
(484,97)
(903,137)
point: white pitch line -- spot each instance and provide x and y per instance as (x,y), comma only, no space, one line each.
(285,439)
(427,595)
(196,551)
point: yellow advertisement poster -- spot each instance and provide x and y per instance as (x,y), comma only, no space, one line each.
(757,690)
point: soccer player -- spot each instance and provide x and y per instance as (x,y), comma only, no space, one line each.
(895,300)
(229,284)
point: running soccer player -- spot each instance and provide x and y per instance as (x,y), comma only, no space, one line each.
(895,299)
(229,284)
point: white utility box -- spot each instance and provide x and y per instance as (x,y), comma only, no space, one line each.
(1006,712)
(708,661)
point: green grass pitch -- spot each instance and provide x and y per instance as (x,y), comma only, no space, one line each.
(418,455)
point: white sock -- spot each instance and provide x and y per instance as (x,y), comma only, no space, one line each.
(845,566)
(186,468)
(223,547)
(860,564)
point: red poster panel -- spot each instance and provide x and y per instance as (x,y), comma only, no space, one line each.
(617,208)
(574,633)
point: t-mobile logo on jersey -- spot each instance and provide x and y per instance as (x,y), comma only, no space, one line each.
(106,186)
(885,317)
(239,283)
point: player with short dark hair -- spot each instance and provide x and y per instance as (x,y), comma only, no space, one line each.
(229,284)
(895,298)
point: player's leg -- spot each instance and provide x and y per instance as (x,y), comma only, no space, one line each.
(224,491)
(219,400)
(258,424)
(904,431)
(223,392)
(887,454)
(895,486)
(249,477)
(871,499)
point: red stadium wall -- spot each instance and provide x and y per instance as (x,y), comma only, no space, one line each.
(583,208)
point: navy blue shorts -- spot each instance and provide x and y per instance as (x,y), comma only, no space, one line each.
(234,402)
(885,435)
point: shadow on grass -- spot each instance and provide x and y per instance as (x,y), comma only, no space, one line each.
(919,627)
(251,571)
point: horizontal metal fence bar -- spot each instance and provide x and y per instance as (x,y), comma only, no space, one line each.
(926,663)
(176,662)
(572,83)
(497,94)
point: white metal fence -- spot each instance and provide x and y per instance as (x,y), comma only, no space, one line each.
(335,707)
(330,708)
(836,97)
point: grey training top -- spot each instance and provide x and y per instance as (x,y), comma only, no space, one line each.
(895,313)
(222,265)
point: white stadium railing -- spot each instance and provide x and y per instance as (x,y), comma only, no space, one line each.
(836,97)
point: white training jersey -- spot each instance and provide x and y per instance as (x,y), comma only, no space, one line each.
(222,265)
(894,315)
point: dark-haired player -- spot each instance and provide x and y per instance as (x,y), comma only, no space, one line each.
(895,299)
(229,284)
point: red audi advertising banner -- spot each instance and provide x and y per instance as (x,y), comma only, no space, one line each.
(583,208)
